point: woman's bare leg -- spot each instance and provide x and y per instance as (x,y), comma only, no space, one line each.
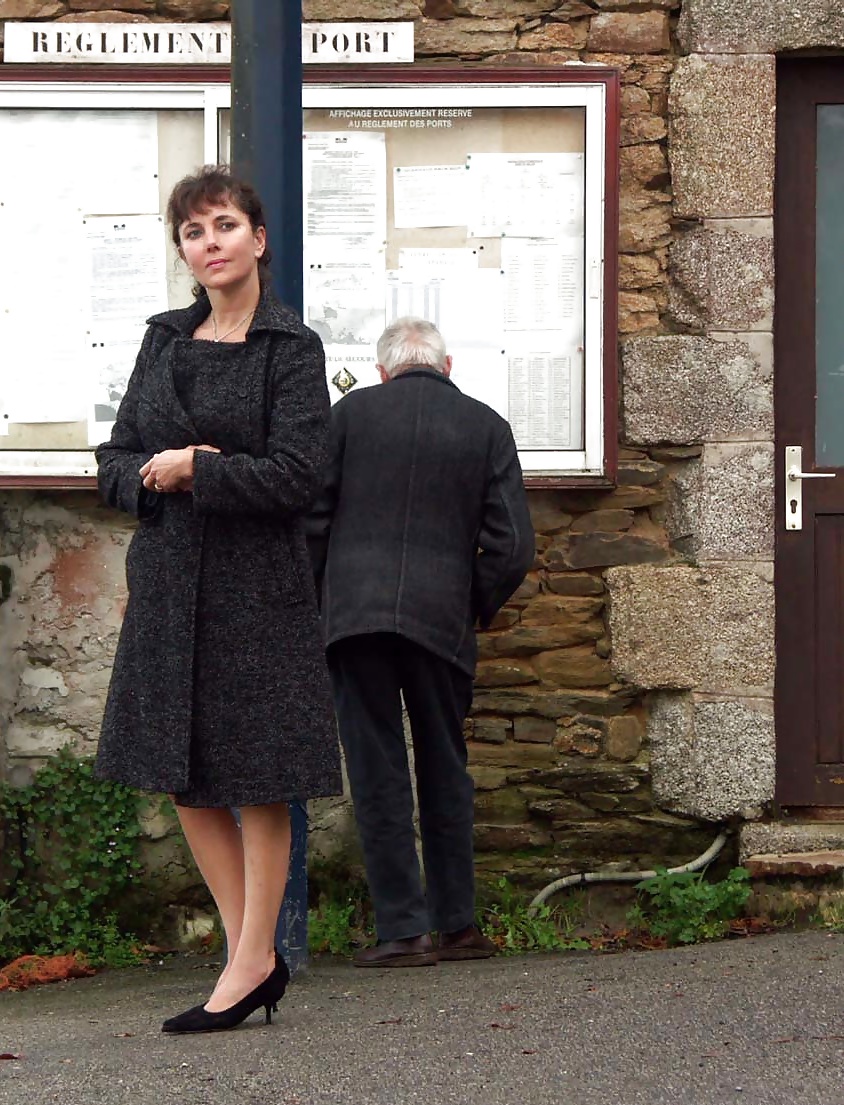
(215,840)
(265,834)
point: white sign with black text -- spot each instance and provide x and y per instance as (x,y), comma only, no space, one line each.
(196,43)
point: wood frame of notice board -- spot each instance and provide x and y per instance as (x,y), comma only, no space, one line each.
(403,88)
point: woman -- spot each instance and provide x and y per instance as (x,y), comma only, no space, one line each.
(219,694)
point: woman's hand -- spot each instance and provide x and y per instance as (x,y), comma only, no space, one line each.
(172,470)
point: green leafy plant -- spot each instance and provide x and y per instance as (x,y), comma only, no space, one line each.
(330,928)
(516,928)
(341,919)
(830,915)
(686,908)
(69,858)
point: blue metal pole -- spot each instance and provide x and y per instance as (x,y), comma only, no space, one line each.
(267,126)
(266,133)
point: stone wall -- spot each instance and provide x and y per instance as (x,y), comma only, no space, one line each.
(563,731)
(702,638)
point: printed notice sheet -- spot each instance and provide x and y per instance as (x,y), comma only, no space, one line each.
(113,155)
(526,195)
(344,299)
(414,292)
(123,176)
(41,140)
(345,190)
(545,398)
(59,236)
(111,366)
(126,260)
(466,307)
(483,374)
(349,367)
(430,195)
(44,382)
(127,284)
(46,389)
(543,285)
(42,368)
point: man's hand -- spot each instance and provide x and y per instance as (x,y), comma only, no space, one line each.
(172,470)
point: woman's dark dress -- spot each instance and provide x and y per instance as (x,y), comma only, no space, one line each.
(219,692)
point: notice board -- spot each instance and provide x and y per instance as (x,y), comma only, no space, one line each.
(484,202)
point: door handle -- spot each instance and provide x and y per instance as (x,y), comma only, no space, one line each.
(794,476)
(794,473)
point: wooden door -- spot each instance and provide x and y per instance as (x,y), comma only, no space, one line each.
(809,407)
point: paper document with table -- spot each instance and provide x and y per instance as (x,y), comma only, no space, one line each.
(487,243)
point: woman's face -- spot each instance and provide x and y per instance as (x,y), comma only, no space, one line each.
(219,245)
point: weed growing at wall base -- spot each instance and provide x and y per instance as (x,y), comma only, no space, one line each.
(686,908)
(515,927)
(683,908)
(330,928)
(69,856)
(341,920)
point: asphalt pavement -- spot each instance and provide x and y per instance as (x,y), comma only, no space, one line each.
(757,1020)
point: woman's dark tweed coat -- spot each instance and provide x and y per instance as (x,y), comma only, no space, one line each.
(219,691)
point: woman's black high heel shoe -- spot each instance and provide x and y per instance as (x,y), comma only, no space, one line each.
(268,993)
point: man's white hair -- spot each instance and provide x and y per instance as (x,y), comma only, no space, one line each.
(411,342)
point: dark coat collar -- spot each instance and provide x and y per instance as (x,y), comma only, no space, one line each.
(423,370)
(269,315)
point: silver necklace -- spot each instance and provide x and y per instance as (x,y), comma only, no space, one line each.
(222,337)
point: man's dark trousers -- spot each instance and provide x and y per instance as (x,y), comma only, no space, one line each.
(370,673)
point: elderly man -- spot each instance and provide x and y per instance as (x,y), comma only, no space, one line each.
(422,531)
